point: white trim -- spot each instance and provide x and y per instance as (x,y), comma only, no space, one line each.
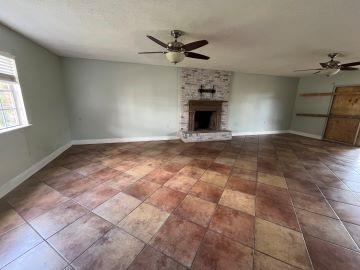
(17,180)
(304,134)
(122,140)
(249,133)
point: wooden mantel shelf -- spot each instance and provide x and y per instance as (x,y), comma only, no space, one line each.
(328,94)
(329,115)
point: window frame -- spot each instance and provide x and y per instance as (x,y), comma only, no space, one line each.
(16,94)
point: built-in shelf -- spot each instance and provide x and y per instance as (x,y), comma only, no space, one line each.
(327,94)
(329,115)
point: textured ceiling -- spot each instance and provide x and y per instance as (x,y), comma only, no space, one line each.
(252,36)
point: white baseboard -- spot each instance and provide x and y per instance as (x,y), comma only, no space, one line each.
(122,140)
(304,134)
(249,133)
(17,180)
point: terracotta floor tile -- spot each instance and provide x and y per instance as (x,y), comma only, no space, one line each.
(325,228)
(116,208)
(347,212)
(9,218)
(78,236)
(48,173)
(33,200)
(150,259)
(105,174)
(192,171)
(247,165)
(73,165)
(206,191)
(180,183)
(125,165)
(281,243)
(244,174)
(196,210)
(354,231)
(272,180)
(40,257)
(203,164)
(303,186)
(220,168)
(158,176)
(218,252)
(215,178)
(275,194)
(16,242)
(140,171)
(234,224)
(141,189)
(96,196)
(75,188)
(90,169)
(115,250)
(313,204)
(144,221)
(238,184)
(325,255)
(173,167)
(179,239)
(121,181)
(341,195)
(166,198)
(238,201)
(62,179)
(281,214)
(354,186)
(264,262)
(57,218)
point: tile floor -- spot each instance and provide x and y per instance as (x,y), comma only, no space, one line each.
(256,202)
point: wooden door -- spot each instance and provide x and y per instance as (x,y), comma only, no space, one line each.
(344,119)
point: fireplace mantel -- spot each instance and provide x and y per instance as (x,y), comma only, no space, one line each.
(205,105)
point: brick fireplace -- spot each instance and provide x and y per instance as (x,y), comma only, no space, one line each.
(204,115)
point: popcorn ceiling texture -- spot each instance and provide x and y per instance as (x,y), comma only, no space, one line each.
(192,79)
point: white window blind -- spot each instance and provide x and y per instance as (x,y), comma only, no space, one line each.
(12,109)
(7,69)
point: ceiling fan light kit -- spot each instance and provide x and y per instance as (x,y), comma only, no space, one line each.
(177,51)
(174,57)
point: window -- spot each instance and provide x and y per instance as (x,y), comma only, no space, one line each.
(12,110)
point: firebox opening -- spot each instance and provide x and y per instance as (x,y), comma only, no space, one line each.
(205,120)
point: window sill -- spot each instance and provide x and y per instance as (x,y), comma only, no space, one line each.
(14,128)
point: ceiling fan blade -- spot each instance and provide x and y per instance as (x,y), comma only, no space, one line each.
(309,69)
(157,41)
(149,52)
(348,68)
(350,64)
(194,45)
(196,55)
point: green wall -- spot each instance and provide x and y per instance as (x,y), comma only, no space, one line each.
(42,87)
(120,100)
(261,103)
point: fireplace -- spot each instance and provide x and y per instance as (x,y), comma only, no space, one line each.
(205,115)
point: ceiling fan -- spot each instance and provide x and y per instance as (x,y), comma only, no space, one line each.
(177,51)
(332,66)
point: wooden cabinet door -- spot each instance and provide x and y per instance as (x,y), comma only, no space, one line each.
(344,129)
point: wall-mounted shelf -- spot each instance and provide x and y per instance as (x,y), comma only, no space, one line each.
(327,94)
(329,115)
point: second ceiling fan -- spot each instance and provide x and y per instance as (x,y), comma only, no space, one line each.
(332,66)
(177,51)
